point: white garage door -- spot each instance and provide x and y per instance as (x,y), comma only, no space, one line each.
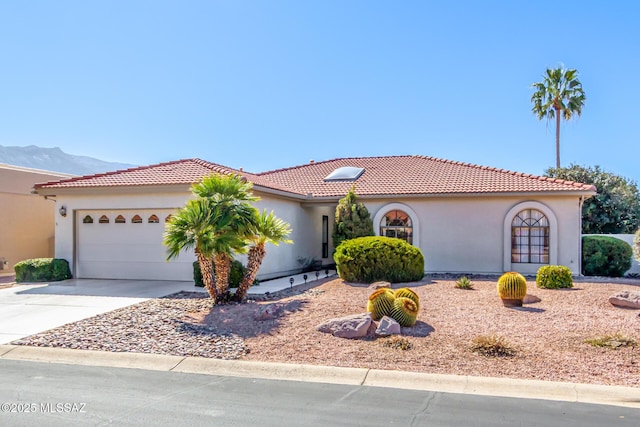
(127,244)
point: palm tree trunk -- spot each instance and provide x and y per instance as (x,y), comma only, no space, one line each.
(206,267)
(222,262)
(255,257)
(557,139)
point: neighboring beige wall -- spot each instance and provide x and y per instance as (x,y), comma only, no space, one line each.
(26,220)
(467,234)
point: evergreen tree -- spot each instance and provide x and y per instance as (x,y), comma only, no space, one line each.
(352,219)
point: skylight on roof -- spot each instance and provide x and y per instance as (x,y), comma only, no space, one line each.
(345,173)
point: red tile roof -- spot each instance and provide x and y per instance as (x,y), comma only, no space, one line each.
(186,172)
(389,175)
(415,175)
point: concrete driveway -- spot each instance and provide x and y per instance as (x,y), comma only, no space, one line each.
(26,309)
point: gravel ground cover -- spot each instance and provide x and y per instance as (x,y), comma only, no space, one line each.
(548,336)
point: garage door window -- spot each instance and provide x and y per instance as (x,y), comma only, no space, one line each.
(104,219)
(137,219)
(87,220)
(120,220)
(153,219)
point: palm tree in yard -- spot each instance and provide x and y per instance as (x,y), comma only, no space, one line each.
(230,196)
(214,224)
(558,95)
(266,229)
(192,228)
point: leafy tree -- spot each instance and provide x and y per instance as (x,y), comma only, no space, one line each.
(558,94)
(616,207)
(266,229)
(352,219)
(215,224)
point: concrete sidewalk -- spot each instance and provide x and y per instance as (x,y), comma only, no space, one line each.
(502,387)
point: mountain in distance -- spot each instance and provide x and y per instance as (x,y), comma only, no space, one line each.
(56,160)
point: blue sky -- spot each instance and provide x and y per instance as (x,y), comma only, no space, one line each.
(264,85)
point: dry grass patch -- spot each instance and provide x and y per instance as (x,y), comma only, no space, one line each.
(612,341)
(492,346)
(397,342)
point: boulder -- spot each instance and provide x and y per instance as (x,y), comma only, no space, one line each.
(388,326)
(269,311)
(626,299)
(378,285)
(355,326)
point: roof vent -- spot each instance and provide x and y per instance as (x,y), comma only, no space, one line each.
(345,173)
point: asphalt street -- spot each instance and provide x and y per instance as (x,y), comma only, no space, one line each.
(34,393)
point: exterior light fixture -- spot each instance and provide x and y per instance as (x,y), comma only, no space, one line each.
(305,277)
(317,274)
(291,281)
(62,211)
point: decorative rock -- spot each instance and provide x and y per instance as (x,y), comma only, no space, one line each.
(388,326)
(378,285)
(530,299)
(626,299)
(355,326)
(269,311)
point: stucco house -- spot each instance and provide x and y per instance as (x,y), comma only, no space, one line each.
(465,218)
(26,220)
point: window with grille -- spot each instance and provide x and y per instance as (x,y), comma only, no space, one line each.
(398,224)
(530,237)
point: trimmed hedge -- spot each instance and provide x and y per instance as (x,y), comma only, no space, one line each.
(42,270)
(554,277)
(605,256)
(235,277)
(376,258)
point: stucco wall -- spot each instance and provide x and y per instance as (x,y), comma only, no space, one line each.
(26,220)
(467,234)
(279,261)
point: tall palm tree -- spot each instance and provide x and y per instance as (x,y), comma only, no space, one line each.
(266,229)
(558,94)
(192,228)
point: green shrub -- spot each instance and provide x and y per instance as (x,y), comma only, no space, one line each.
(605,256)
(554,277)
(42,270)
(235,277)
(372,259)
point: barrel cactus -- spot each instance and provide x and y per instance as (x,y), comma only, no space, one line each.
(404,311)
(512,288)
(380,303)
(408,293)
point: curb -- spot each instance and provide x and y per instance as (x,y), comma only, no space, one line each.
(485,386)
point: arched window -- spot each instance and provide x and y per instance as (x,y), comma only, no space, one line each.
(530,237)
(153,219)
(104,219)
(137,219)
(87,220)
(120,220)
(397,223)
